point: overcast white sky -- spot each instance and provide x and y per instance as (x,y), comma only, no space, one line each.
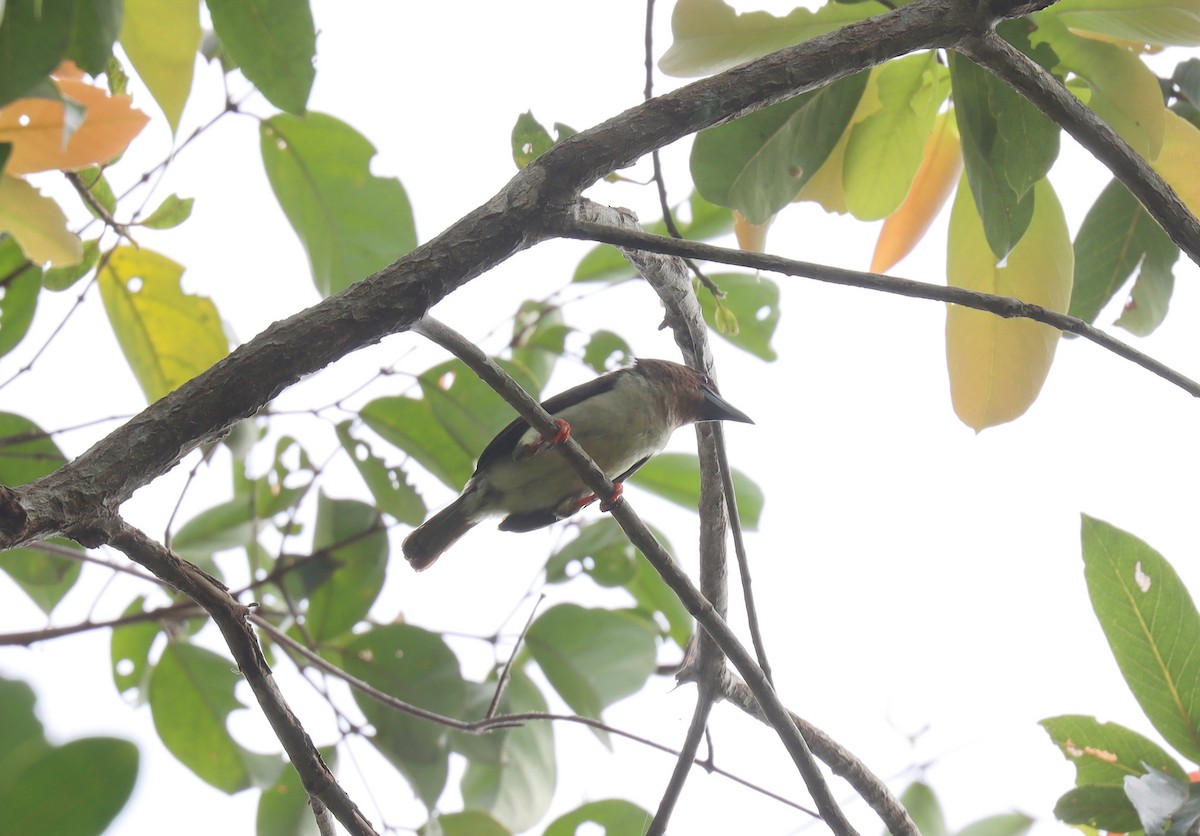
(912,576)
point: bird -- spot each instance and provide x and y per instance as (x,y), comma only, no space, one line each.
(621,419)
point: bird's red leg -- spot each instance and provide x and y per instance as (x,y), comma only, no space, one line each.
(543,443)
(611,502)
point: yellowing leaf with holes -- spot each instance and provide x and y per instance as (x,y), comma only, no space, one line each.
(935,179)
(37,223)
(36,128)
(1177,160)
(997,366)
(168,336)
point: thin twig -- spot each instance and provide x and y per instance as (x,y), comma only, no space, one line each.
(502,680)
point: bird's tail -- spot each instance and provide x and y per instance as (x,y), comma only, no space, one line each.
(439,532)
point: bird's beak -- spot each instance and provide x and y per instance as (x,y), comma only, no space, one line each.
(717,408)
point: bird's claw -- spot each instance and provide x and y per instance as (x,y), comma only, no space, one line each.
(611,502)
(542,443)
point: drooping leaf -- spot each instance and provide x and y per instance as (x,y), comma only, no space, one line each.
(1142,21)
(1008,146)
(885,149)
(410,424)
(350,535)
(1124,91)
(592,657)
(417,667)
(997,366)
(941,165)
(1176,160)
(227,525)
(44,137)
(709,36)
(758,163)
(34,37)
(161,38)
(97,25)
(37,224)
(273,43)
(168,336)
(191,698)
(388,485)
(517,787)
(1106,753)
(22,285)
(1152,627)
(61,278)
(350,222)
(754,303)
(676,476)
(1116,237)
(922,805)
(614,815)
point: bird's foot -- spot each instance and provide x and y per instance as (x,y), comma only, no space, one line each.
(541,443)
(611,502)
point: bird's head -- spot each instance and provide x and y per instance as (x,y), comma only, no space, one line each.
(689,393)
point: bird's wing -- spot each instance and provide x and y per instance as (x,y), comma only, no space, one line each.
(502,446)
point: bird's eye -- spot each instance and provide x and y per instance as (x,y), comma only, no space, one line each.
(704,379)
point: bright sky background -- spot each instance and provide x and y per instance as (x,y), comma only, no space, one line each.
(916,582)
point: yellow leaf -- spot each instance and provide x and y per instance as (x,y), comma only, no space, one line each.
(1177,160)
(751,238)
(35,128)
(37,224)
(161,38)
(826,187)
(997,366)
(168,336)
(935,179)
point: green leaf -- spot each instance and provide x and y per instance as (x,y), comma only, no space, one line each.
(417,667)
(34,37)
(21,736)
(100,772)
(168,336)
(191,698)
(130,650)
(161,37)
(756,164)
(21,281)
(98,187)
(1008,145)
(676,476)
(1123,90)
(46,578)
(607,351)
(1152,627)
(923,807)
(1105,753)
(274,43)
(465,823)
(170,213)
(388,485)
(592,657)
(1099,807)
(1147,305)
(539,339)
(61,278)
(530,140)
(709,36)
(1004,824)
(350,222)
(283,809)
(97,24)
(753,301)
(516,787)
(885,149)
(1144,21)
(614,815)
(1116,236)
(229,525)
(653,597)
(468,408)
(410,424)
(353,539)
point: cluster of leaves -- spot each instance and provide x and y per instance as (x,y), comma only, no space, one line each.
(351,224)
(1125,781)
(890,143)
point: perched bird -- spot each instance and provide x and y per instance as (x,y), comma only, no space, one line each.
(621,419)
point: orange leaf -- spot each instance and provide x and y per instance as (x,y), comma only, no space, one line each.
(35,129)
(751,238)
(931,186)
